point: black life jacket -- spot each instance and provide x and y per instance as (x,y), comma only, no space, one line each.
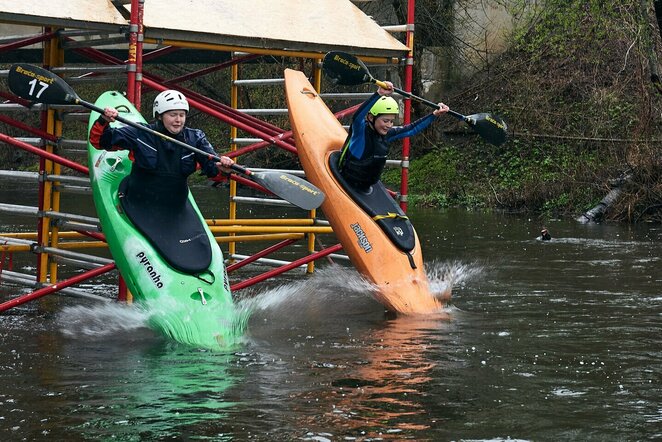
(366,171)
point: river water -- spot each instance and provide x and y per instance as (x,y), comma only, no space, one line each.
(556,340)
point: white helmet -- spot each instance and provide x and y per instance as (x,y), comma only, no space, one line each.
(169,100)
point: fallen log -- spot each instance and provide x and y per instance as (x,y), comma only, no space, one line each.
(597,212)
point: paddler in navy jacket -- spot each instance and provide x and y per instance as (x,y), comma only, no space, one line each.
(364,154)
(160,168)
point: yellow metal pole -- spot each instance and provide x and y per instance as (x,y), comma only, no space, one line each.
(317,81)
(261,222)
(82,245)
(271,229)
(15,247)
(46,168)
(57,59)
(265,237)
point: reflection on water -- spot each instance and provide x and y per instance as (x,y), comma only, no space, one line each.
(150,393)
(554,340)
(384,393)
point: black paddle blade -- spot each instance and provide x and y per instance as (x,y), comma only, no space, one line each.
(40,85)
(345,69)
(291,188)
(492,128)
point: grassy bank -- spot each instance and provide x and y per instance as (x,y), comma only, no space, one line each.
(515,177)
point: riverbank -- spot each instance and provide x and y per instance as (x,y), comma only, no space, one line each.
(540,179)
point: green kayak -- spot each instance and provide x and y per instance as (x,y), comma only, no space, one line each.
(184,301)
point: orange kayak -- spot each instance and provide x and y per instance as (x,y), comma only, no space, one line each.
(375,234)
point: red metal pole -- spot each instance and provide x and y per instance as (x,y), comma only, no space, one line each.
(13,98)
(228,115)
(55,287)
(248,183)
(139,54)
(27,42)
(43,154)
(159,52)
(210,69)
(30,129)
(95,235)
(284,136)
(287,267)
(409,63)
(133,49)
(260,254)
(122,290)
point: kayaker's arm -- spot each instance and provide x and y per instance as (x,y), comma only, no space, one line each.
(362,111)
(209,165)
(104,137)
(399,132)
(409,130)
(97,129)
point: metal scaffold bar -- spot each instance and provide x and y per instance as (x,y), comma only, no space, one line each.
(75,255)
(345,96)
(271,229)
(31,281)
(38,107)
(86,69)
(290,171)
(261,82)
(266,261)
(44,154)
(262,201)
(34,211)
(56,287)
(265,222)
(264,237)
(263,111)
(287,267)
(247,260)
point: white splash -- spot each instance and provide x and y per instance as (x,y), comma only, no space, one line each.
(444,276)
(101,320)
(333,284)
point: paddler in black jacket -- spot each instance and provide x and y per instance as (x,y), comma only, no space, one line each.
(160,168)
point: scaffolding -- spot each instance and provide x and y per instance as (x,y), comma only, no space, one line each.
(148,36)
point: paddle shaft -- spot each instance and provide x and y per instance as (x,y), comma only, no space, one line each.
(165,137)
(346,69)
(429,103)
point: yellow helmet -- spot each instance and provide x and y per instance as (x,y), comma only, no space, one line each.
(385,105)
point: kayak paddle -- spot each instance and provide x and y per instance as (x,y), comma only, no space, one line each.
(43,86)
(347,70)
